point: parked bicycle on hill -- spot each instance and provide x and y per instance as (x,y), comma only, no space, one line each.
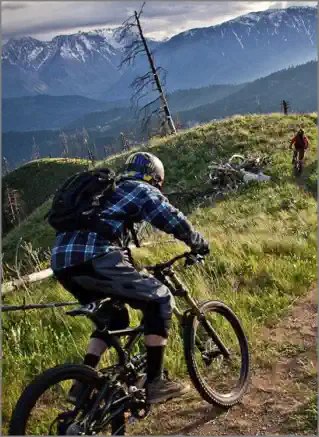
(215,350)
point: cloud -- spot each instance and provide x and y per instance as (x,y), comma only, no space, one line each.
(287,4)
(46,19)
(13,6)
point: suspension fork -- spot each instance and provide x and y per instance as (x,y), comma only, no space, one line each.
(181,290)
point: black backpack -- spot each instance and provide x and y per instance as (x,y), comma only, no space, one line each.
(78,202)
(300,142)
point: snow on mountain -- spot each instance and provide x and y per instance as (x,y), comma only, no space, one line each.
(86,63)
(241,49)
(110,36)
(32,53)
(83,63)
(298,18)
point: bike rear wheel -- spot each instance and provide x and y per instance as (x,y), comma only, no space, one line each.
(44,408)
(299,167)
(219,380)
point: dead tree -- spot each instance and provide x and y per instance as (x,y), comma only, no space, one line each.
(64,142)
(6,166)
(140,85)
(35,151)
(258,104)
(285,106)
(125,144)
(90,149)
(13,206)
(86,140)
(178,123)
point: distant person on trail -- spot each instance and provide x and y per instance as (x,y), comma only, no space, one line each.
(93,265)
(301,144)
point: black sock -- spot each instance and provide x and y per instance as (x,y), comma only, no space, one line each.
(91,360)
(155,361)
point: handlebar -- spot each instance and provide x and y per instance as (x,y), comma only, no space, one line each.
(191,258)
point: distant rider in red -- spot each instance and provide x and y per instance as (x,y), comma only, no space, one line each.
(301,144)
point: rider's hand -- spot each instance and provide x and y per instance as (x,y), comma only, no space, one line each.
(202,249)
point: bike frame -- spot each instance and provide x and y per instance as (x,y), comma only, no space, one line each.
(165,274)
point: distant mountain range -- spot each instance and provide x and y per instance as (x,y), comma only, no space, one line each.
(45,112)
(237,51)
(298,85)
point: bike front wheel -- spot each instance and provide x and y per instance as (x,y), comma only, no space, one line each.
(217,354)
(44,407)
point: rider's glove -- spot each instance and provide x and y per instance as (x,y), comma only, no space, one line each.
(201,249)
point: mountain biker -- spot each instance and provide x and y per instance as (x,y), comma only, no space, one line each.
(92,267)
(301,144)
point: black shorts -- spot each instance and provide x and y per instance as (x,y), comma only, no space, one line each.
(113,275)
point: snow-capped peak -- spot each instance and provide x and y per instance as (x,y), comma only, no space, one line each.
(83,46)
(32,54)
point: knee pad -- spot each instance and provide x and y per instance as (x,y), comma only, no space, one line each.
(154,321)
(157,326)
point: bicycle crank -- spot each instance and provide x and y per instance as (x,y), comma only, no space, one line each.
(75,429)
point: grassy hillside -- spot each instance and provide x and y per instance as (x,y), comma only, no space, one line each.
(185,156)
(36,182)
(298,85)
(263,248)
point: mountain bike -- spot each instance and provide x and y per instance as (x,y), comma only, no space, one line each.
(215,350)
(224,179)
(297,164)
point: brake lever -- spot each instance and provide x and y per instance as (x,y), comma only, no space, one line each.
(193,258)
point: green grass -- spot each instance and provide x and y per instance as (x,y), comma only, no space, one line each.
(263,247)
(38,180)
(305,420)
(34,229)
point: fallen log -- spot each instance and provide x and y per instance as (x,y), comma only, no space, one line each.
(11,286)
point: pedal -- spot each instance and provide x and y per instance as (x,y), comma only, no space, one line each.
(131,420)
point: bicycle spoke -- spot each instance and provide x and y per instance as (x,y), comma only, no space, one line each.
(217,371)
(54,413)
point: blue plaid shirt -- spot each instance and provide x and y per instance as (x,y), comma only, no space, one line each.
(136,199)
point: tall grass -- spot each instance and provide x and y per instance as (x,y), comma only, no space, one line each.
(263,250)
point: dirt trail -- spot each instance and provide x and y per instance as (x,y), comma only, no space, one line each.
(278,392)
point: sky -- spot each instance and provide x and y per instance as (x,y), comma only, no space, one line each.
(161,19)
